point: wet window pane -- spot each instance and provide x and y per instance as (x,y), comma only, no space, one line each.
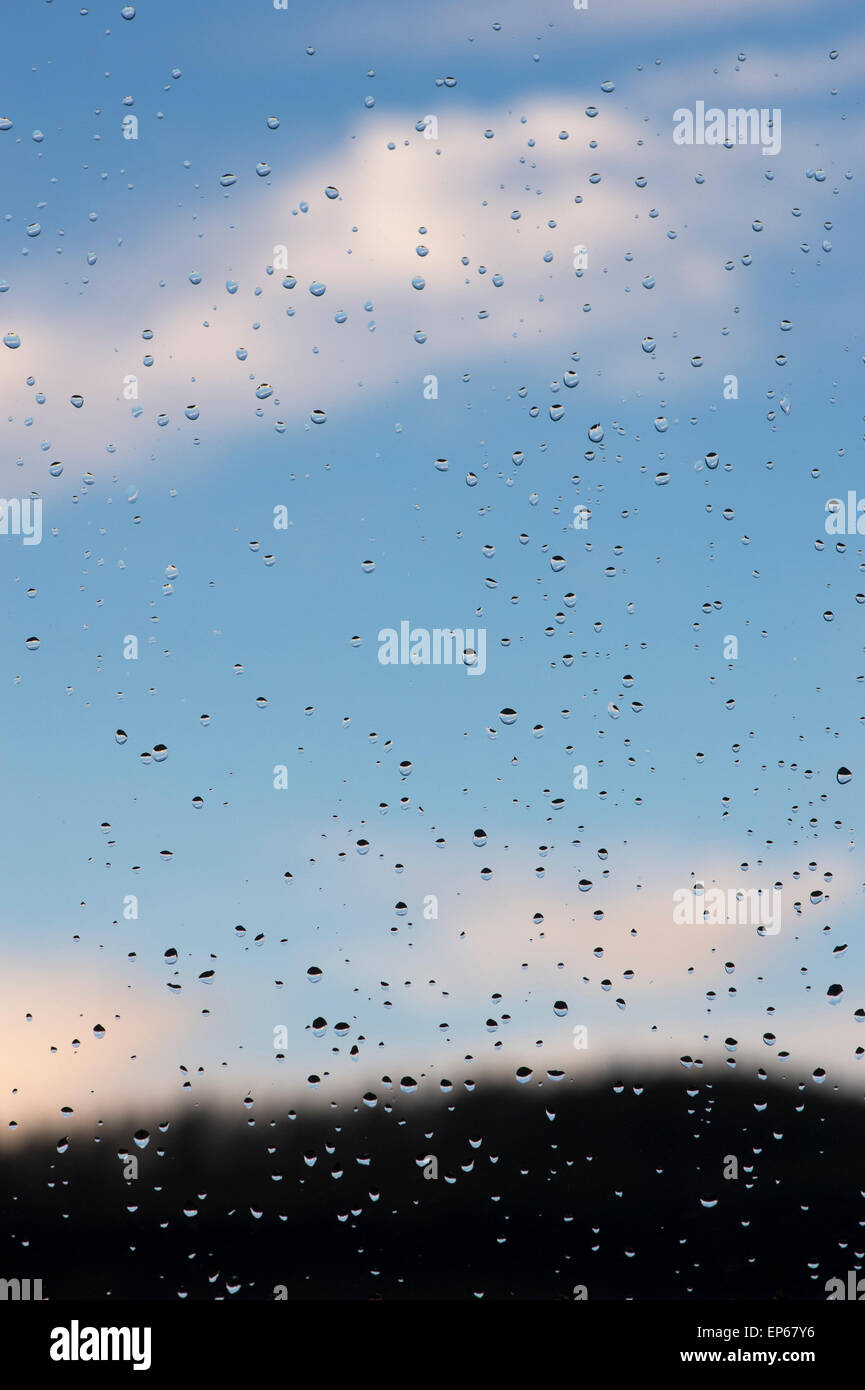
(433,594)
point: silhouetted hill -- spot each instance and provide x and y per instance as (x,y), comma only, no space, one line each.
(539,1189)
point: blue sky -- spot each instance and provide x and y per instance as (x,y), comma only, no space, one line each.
(364,486)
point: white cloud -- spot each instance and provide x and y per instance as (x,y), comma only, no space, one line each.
(462,188)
